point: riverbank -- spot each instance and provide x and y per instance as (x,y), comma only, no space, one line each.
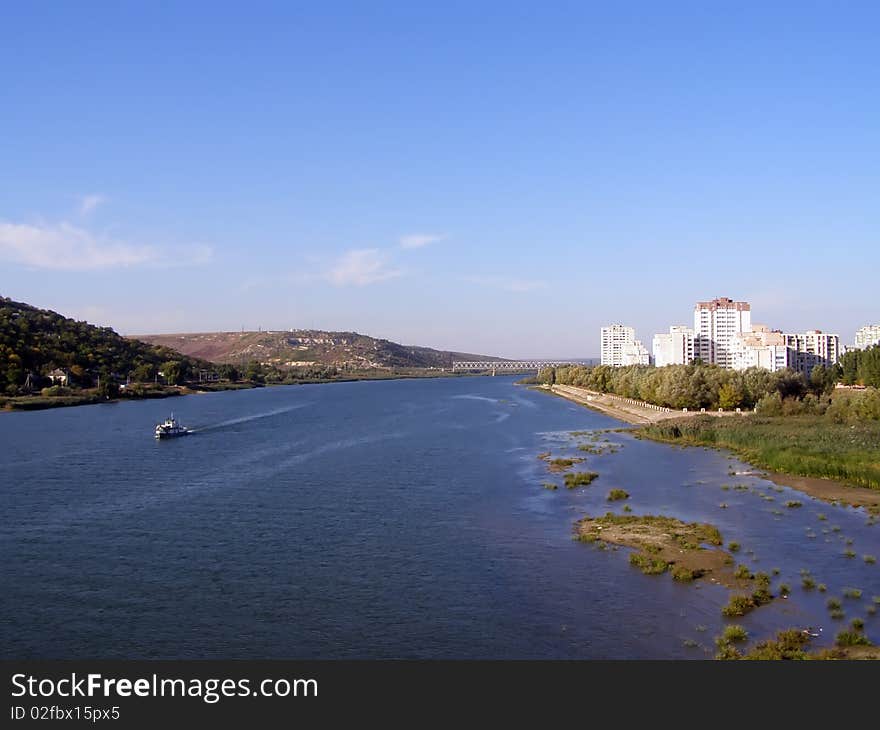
(829,461)
(147,392)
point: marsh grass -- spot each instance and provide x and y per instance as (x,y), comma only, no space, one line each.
(616,495)
(733,546)
(794,503)
(804,445)
(580,479)
(869,559)
(853,593)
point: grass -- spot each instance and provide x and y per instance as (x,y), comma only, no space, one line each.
(616,495)
(854,593)
(733,546)
(849,554)
(549,485)
(857,624)
(580,479)
(869,559)
(561,464)
(788,644)
(784,589)
(794,503)
(822,517)
(775,571)
(742,572)
(684,574)
(822,588)
(834,604)
(734,634)
(810,446)
(627,508)
(851,638)
(837,614)
(808,583)
(647,564)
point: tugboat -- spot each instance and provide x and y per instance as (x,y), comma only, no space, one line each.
(170,429)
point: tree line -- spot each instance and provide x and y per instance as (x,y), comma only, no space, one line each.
(698,386)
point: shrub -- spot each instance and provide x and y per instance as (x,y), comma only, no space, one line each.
(685,575)
(617,494)
(738,606)
(851,638)
(647,564)
(734,633)
(580,478)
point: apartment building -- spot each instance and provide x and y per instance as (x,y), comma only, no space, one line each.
(716,323)
(868,336)
(620,347)
(760,348)
(675,347)
(812,348)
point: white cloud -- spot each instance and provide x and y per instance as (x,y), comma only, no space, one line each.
(360,267)
(506,283)
(66,247)
(87,203)
(419,240)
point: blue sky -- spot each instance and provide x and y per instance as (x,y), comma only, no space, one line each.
(501,178)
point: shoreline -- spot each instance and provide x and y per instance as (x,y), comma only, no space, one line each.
(24,404)
(624,409)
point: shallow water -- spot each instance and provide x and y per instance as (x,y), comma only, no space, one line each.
(377,519)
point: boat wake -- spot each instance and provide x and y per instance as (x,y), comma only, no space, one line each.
(246,419)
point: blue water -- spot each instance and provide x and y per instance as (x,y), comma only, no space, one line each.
(376,520)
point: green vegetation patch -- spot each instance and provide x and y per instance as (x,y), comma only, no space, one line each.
(580,479)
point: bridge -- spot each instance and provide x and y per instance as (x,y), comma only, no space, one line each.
(511,366)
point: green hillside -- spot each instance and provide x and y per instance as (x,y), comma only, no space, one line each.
(35,342)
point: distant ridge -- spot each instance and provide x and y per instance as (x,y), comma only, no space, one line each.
(303,348)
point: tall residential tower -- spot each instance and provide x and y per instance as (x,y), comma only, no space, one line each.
(716,323)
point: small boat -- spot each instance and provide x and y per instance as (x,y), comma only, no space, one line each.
(170,429)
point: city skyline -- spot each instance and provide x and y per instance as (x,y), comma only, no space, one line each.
(484,179)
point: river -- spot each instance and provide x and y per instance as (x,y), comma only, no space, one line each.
(392,519)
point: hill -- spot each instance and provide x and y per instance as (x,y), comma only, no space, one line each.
(307,348)
(35,342)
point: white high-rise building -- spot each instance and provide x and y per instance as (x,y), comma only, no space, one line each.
(812,348)
(635,354)
(868,336)
(616,339)
(674,348)
(716,323)
(760,348)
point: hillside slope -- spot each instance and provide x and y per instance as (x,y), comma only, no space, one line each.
(34,342)
(301,348)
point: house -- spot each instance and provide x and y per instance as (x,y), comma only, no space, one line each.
(58,377)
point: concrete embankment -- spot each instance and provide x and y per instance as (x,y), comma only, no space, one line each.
(625,409)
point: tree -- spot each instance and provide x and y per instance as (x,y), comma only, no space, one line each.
(729,396)
(172,371)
